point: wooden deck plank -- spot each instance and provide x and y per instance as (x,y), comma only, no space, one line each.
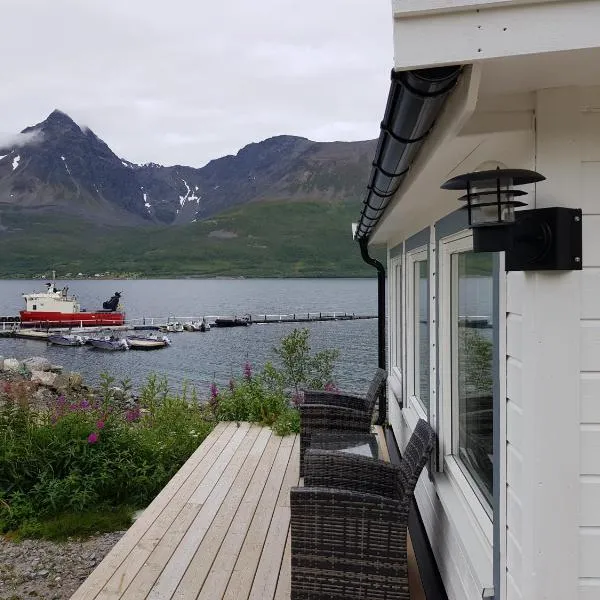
(122,577)
(214,442)
(245,568)
(224,563)
(154,565)
(202,561)
(284,582)
(267,573)
(179,560)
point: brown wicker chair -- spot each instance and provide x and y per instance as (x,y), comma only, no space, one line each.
(349,523)
(324,411)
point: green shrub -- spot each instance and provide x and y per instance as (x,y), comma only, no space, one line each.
(90,456)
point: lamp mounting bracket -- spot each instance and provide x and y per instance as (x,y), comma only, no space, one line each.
(542,239)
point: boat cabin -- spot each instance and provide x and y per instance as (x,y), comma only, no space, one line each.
(53,300)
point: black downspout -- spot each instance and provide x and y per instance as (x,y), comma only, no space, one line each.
(364,250)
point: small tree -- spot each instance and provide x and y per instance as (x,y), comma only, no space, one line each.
(301,368)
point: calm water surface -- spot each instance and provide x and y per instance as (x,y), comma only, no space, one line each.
(199,357)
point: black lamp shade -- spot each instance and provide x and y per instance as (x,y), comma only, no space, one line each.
(490,199)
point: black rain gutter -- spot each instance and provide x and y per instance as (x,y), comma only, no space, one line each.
(364,250)
(414,102)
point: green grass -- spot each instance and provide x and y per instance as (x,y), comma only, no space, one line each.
(83,524)
(272,239)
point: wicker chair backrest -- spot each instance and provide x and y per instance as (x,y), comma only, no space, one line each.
(414,458)
(374,389)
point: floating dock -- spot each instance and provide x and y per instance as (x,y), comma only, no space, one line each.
(11,326)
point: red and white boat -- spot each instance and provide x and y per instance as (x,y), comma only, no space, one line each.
(55,308)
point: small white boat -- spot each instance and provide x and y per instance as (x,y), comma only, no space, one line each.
(197,326)
(147,342)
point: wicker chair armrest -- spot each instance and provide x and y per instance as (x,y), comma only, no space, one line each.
(325,416)
(334,399)
(307,500)
(340,470)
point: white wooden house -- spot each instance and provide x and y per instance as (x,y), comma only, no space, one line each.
(505,365)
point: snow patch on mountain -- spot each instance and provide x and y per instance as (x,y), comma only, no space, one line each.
(66,165)
(16,160)
(189,195)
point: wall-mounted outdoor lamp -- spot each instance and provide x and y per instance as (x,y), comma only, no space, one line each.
(538,239)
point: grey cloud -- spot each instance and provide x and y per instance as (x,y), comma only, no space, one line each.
(18,140)
(184,81)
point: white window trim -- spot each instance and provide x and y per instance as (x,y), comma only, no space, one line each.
(412,257)
(396,306)
(459,242)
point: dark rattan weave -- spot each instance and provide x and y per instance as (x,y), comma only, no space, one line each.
(349,523)
(323,411)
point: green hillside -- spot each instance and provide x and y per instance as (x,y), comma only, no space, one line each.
(269,239)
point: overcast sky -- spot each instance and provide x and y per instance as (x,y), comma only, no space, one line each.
(185,81)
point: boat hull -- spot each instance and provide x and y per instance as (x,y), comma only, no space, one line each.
(111,345)
(81,319)
(63,340)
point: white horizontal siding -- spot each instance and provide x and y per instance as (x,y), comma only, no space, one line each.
(514,336)
(589,338)
(589,515)
(515,287)
(589,551)
(589,390)
(590,290)
(515,280)
(591,240)
(514,371)
(589,588)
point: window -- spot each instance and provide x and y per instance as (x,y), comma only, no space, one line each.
(472,367)
(418,349)
(421,332)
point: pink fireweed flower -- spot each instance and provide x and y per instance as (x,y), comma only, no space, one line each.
(214,391)
(247,371)
(92,438)
(132,415)
(100,424)
(84,404)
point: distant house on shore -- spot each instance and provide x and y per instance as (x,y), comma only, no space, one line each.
(494,328)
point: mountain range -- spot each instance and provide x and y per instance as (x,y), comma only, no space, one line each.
(62,181)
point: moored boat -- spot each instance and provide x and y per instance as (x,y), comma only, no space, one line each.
(66,340)
(232,321)
(147,342)
(56,308)
(197,326)
(109,343)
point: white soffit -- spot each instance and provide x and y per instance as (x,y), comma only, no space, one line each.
(460,33)
(522,74)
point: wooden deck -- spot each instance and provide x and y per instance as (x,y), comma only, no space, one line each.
(219,529)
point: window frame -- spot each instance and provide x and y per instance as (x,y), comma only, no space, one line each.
(448,246)
(412,258)
(397,328)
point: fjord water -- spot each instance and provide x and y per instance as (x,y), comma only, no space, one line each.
(198,358)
